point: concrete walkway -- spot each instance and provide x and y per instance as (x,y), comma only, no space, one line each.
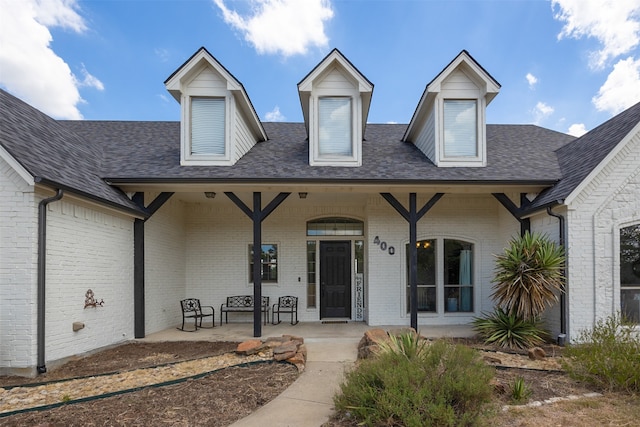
(331,349)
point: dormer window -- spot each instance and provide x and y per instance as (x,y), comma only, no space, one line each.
(335,131)
(218,123)
(335,100)
(207,127)
(460,128)
(449,124)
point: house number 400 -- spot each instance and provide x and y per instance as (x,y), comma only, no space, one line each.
(383,246)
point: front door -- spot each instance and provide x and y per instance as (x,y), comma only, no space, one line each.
(335,279)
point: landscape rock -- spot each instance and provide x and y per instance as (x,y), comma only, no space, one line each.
(536,353)
(249,347)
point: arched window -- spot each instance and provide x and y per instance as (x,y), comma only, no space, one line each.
(335,226)
(630,272)
(452,281)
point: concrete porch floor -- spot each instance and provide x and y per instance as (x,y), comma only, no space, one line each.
(310,331)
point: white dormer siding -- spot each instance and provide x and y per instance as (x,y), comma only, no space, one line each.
(335,101)
(218,122)
(449,125)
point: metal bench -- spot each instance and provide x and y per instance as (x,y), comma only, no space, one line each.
(243,304)
(287,304)
(191,309)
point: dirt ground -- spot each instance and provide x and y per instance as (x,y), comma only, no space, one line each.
(218,399)
(225,396)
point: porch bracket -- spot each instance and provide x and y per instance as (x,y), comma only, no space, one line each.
(138,258)
(412,216)
(257,215)
(525,224)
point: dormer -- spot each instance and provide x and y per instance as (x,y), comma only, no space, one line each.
(335,100)
(449,124)
(218,122)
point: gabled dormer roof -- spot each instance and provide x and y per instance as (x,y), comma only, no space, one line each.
(177,83)
(335,58)
(472,69)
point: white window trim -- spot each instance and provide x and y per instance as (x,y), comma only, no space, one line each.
(480,160)
(186,158)
(315,158)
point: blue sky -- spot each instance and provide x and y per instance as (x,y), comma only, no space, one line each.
(567,65)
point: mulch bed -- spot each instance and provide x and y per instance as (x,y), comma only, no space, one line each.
(218,399)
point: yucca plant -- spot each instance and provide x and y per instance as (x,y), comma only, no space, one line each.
(529,276)
(509,330)
(409,345)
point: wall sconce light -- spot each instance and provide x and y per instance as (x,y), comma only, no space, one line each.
(210,194)
(302,195)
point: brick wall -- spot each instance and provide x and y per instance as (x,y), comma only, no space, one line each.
(609,202)
(87,248)
(165,265)
(18,260)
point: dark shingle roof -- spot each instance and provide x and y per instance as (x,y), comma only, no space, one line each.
(53,154)
(137,151)
(578,158)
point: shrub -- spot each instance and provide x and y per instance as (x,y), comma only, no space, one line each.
(509,331)
(529,276)
(607,355)
(443,384)
(520,390)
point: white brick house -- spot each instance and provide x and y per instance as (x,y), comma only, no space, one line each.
(119,208)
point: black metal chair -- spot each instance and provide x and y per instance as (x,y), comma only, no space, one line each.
(287,304)
(191,309)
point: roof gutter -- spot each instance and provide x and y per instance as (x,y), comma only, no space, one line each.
(42,268)
(55,185)
(563,300)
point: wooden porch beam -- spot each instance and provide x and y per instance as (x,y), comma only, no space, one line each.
(257,215)
(515,211)
(412,216)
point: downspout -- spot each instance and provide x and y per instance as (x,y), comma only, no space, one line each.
(563,302)
(42,258)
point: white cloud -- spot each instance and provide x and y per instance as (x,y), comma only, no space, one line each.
(541,112)
(577,129)
(622,88)
(532,80)
(29,67)
(286,27)
(89,80)
(275,115)
(614,23)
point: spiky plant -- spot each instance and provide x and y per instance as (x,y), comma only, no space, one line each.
(529,276)
(508,330)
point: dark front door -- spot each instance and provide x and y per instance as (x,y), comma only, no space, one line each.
(335,279)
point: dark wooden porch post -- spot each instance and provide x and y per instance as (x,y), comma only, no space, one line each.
(138,259)
(257,215)
(412,216)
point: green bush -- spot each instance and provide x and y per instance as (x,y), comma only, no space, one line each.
(509,330)
(608,355)
(440,385)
